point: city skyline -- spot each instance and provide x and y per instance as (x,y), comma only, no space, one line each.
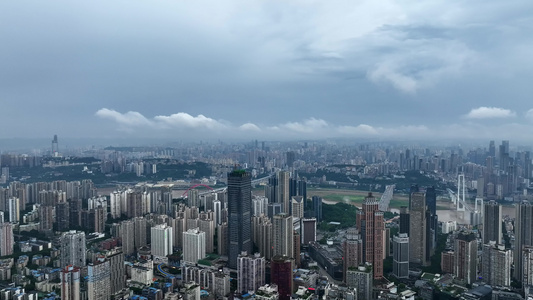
(294,70)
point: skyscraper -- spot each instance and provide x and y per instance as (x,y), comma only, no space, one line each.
(308,228)
(465,257)
(317,208)
(361,279)
(73,249)
(404,220)
(417,229)
(283,195)
(140,229)
(6,239)
(527,268)
(353,250)
(70,283)
(371,225)
(239,219)
(193,245)
(98,280)
(282,236)
(162,240)
(492,222)
(250,272)
(400,263)
(523,235)
(117,270)
(281,275)
(496,264)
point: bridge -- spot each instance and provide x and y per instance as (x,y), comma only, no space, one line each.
(222,189)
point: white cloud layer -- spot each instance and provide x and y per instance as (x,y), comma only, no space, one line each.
(137,124)
(484,112)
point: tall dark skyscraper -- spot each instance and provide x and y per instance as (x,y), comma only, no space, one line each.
(523,235)
(239,215)
(404,220)
(317,208)
(492,222)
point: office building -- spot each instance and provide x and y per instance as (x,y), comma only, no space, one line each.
(404,220)
(281,275)
(282,236)
(73,249)
(6,239)
(400,262)
(193,245)
(250,272)
(523,234)
(70,283)
(496,264)
(417,229)
(162,238)
(98,280)
(465,257)
(353,250)
(371,225)
(317,208)
(492,222)
(239,219)
(308,229)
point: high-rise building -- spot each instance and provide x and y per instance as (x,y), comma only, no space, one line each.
(297,207)
(222,239)
(162,240)
(282,236)
(239,219)
(317,208)
(6,239)
(98,280)
(140,229)
(73,249)
(262,235)
(496,264)
(465,257)
(404,220)
(400,262)
(447,262)
(371,224)
(308,228)
(62,216)
(527,268)
(14,209)
(492,222)
(70,283)
(274,209)
(117,270)
(296,248)
(361,279)
(353,250)
(432,222)
(46,218)
(523,235)
(207,225)
(250,272)
(193,245)
(281,275)
(417,229)
(283,195)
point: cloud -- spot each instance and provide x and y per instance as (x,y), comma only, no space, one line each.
(484,112)
(529,114)
(249,127)
(131,118)
(309,125)
(182,119)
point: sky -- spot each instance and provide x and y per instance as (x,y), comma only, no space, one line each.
(267,70)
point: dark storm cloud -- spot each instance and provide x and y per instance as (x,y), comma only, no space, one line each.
(272,69)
